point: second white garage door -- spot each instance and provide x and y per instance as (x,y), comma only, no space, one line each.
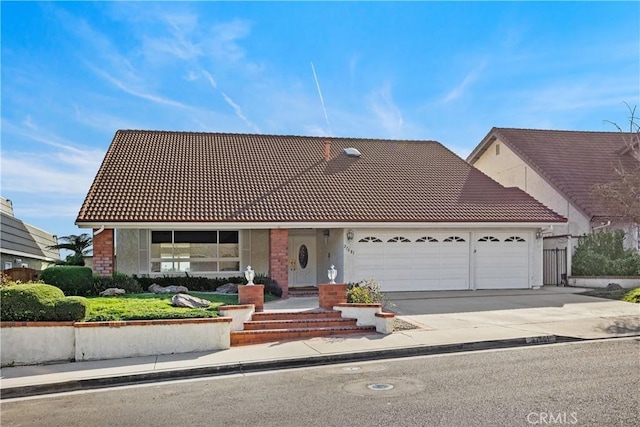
(502,261)
(411,261)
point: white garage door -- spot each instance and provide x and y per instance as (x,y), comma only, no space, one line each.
(502,261)
(413,260)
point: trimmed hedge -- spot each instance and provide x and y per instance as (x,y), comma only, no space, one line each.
(39,302)
(116,280)
(206,284)
(71,279)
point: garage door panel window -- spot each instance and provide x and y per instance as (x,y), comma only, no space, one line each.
(488,239)
(427,239)
(451,239)
(370,239)
(514,239)
(399,239)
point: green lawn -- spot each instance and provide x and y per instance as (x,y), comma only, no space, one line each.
(154,306)
(628,295)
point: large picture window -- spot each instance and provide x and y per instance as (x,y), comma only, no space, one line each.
(195,251)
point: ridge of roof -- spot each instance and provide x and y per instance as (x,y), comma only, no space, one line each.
(181,176)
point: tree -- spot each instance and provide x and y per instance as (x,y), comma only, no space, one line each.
(623,193)
(80,245)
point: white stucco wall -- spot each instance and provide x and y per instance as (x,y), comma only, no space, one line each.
(328,254)
(113,340)
(258,250)
(510,170)
(29,344)
(127,250)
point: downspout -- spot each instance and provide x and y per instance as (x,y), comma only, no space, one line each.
(601,226)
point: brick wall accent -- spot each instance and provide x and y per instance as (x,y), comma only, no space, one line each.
(279,258)
(330,295)
(253,294)
(103,259)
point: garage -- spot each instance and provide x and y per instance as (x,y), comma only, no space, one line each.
(502,261)
(415,260)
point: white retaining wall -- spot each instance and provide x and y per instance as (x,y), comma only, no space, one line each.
(32,343)
(602,282)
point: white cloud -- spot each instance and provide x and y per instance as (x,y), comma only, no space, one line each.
(386,111)
(470,78)
(239,112)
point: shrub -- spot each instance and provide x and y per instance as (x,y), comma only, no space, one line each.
(270,285)
(69,309)
(632,296)
(39,302)
(365,292)
(116,280)
(72,280)
(603,254)
(206,284)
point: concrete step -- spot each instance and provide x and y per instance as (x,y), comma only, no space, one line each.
(239,338)
(297,323)
(291,315)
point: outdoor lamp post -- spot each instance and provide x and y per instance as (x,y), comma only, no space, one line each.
(332,273)
(249,274)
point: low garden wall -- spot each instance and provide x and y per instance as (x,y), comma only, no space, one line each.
(238,314)
(24,343)
(603,281)
(31,343)
(367,315)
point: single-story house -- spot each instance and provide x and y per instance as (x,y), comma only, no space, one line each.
(23,245)
(560,169)
(410,214)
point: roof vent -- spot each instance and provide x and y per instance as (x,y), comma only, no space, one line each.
(351,152)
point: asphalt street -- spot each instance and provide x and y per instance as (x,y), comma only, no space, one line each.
(584,384)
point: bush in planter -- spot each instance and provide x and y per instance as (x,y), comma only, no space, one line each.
(270,286)
(39,302)
(116,280)
(603,254)
(365,292)
(71,279)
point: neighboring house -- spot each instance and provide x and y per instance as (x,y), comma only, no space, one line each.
(410,214)
(23,245)
(560,169)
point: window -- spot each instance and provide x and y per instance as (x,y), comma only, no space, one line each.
(497,149)
(8,265)
(514,239)
(454,239)
(195,251)
(399,239)
(370,239)
(488,239)
(427,239)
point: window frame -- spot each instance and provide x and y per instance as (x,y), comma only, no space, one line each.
(175,260)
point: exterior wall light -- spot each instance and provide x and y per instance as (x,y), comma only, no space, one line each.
(350,235)
(332,273)
(249,274)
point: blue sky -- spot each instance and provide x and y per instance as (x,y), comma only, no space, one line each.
(74,72)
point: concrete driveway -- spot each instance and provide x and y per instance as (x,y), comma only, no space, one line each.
(552,310)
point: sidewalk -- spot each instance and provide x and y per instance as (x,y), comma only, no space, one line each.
(458,321)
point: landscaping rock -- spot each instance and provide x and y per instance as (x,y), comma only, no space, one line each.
(183,300)
(229,288)
(613,287)
(112,292)
(157,289)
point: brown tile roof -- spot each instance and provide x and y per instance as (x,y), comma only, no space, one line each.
(572,161)
(157,176)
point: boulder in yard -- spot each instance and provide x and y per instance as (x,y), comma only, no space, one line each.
(229,288)
(613,287)
(112,292)
(157,289)
(183,300)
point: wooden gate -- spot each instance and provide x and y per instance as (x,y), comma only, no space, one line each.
(555,267)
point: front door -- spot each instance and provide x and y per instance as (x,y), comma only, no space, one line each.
(302,260)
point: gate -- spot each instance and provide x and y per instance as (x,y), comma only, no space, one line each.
(555,267)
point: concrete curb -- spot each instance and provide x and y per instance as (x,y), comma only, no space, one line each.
(267,365)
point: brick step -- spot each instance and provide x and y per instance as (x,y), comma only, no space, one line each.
(295,315)
(262,336)
(297,323)
(306,291)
